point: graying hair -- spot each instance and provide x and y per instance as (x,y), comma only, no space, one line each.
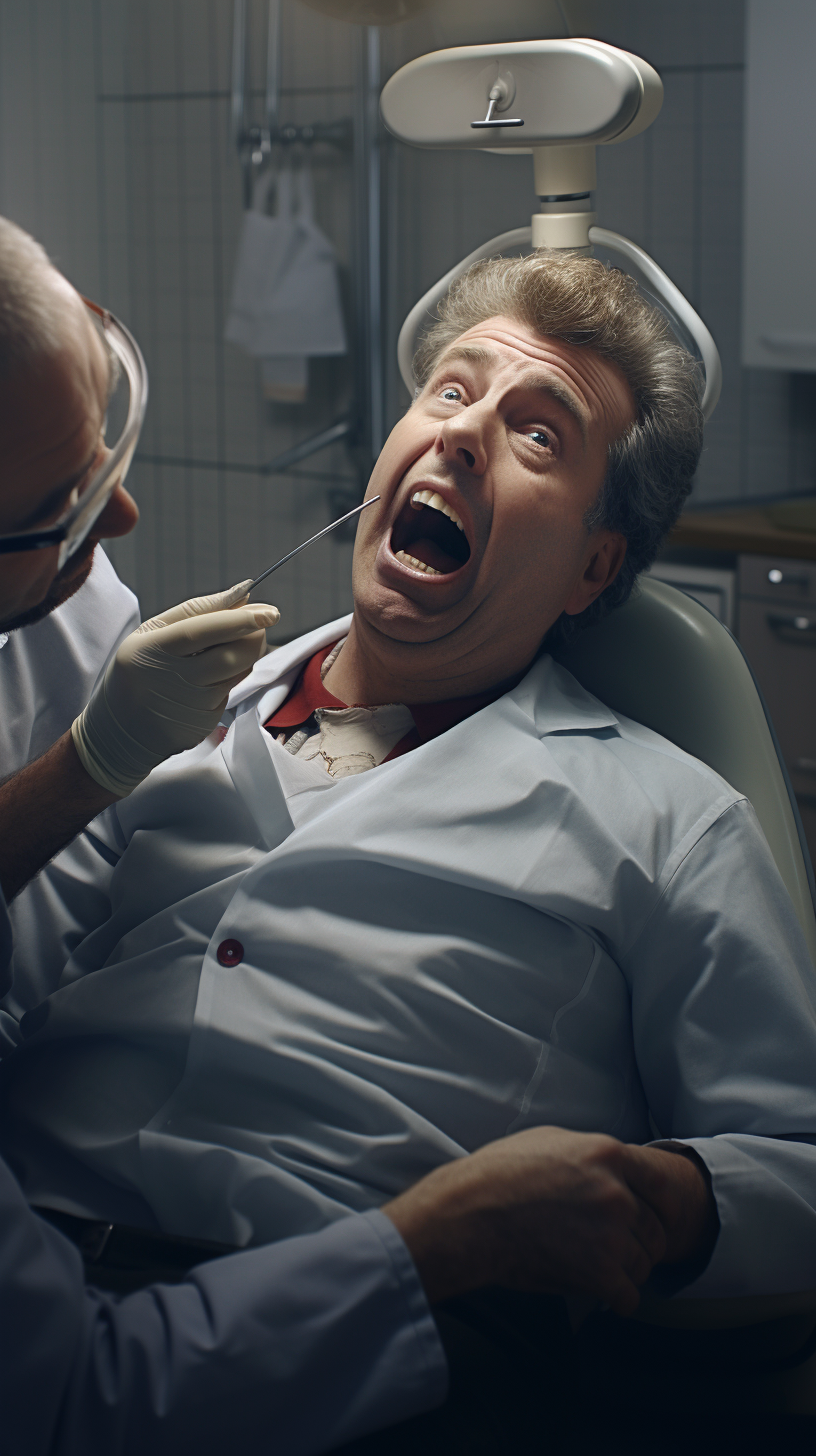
(580,300)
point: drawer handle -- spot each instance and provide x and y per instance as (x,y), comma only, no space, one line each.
(794,628)
(786,578)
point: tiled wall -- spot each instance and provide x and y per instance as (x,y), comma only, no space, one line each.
(114,150)
(209,516)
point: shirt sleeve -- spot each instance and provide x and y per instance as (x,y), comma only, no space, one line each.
(292,1348)
(724,1018)
(53,915)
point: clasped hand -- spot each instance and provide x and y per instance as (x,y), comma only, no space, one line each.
(557,1212)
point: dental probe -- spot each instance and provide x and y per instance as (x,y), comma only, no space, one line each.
(304,544)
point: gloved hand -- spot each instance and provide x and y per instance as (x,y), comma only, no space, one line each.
(168,685)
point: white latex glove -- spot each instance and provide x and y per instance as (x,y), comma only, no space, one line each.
(168,685)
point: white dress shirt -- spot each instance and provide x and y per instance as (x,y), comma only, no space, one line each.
(260,998)
(49,670)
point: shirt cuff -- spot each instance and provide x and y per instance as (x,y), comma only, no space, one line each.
(763,1189)
(432,1366)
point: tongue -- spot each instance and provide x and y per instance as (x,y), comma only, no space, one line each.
(433,555)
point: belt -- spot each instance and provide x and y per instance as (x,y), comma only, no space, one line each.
(121,1259)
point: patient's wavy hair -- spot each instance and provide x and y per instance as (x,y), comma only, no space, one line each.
(582,301)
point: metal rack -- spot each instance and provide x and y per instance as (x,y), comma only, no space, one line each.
(363,427)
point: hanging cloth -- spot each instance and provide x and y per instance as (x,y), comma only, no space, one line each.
(286,298)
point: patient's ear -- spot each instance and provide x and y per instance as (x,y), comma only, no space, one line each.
(605,554)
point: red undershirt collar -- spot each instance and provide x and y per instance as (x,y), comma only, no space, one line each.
(430,719)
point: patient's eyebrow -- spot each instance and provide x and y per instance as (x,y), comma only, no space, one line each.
(558,390)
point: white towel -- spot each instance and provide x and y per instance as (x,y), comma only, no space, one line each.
(285,297)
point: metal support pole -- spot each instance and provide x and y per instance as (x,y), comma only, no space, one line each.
(375,342)
(273,50)
(369,390)
(238,97)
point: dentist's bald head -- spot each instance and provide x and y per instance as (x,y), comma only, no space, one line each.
(55,376)
(38,307)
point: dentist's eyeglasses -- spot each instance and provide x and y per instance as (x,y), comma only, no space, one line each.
(126,409)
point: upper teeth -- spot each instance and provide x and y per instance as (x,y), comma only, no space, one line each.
(430,498)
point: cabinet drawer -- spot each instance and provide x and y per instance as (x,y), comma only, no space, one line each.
(776,578)
(780,644)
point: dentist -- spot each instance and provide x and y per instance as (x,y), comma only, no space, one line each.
(228,1358)
(61,491)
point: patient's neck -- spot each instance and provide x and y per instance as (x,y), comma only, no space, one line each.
(372,668)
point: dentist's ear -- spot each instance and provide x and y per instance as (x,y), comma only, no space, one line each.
(605,556)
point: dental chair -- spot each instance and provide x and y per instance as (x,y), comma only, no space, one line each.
(662,659)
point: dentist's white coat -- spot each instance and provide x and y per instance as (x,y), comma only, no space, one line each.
(49,670)
(548,914)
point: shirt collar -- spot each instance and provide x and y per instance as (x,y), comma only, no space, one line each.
(431,719)
(287,660)
(549,695)
(556,701)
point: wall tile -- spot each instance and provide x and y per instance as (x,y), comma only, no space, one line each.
(697,32)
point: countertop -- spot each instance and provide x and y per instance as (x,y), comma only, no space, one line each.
(770,528)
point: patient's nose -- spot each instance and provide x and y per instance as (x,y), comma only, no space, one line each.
(461,439)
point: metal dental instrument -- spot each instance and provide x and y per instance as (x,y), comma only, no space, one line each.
(304,544)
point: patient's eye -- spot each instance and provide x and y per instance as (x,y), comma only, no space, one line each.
(451,392)
(543,438)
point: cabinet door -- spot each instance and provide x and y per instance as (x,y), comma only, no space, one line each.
(779,640)
(779,300)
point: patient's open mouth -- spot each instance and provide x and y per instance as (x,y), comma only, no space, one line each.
(429,536)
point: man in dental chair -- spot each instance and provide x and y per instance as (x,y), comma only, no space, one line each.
(425,890)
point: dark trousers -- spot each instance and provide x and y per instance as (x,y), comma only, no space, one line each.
(521,1382)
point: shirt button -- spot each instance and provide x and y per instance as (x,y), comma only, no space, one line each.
(230,953)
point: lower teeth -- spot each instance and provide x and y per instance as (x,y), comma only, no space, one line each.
(417,565)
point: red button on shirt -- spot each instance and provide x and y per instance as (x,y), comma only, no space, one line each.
(230,953)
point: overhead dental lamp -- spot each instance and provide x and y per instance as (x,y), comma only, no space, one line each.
(557,100)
